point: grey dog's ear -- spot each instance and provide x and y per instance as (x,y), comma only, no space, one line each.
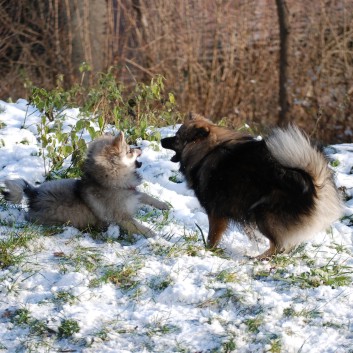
(118,141)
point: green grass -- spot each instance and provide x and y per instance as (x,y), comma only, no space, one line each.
(127,267)
(63,297)
(275,346)
(304,313)
(335,273)
(127,277)
(157,218)
(328,275)
(188,245)
(160,283)
(23,317)
(229,346)
(88,259)
(158,329)
(335,163)
(226,276)
(13,246)
(67,328)
(123,276)
(253,324)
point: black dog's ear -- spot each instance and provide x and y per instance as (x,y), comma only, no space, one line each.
(189,118)
(192,117)
(197,132)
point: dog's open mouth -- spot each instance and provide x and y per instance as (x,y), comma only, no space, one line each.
(169,143)
(137,152)
(176,157)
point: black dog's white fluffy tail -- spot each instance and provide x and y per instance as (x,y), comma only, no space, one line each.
(292,148)
(16,189)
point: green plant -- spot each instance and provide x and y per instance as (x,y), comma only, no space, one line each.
(3,346)
(333,275)
(65,297)
(68,327)
(57,146)
(306,313)
(226,276)
(159,283)
(348,219)
(38,327)
(87,258)
(162,329)
(176,177)
(160,326)
(254,323)
(275,346)
(21,317)
(124,276)
(335,163)
(229,346)
(148,105)
(190,247)
(12,247)
(51,102)
(289,312)
(105,102)
(158,218)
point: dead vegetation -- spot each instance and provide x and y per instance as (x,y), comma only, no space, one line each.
(220,58)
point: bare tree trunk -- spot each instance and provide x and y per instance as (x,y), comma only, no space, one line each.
(282,12)
(88,22)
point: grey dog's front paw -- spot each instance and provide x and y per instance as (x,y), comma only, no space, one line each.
(132,226)
(162,205)
(149,200)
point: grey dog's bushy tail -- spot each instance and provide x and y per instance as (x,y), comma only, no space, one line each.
(292,148)
(16,189)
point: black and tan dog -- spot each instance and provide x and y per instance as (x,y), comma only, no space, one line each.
(280,185)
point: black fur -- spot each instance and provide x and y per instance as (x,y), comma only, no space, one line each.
(255,182)
(238,178)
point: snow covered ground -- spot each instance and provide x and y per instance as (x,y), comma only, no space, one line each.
(65,291)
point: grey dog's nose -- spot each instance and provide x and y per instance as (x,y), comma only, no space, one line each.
(138,152)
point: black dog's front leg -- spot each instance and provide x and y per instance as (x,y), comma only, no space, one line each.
(217,227)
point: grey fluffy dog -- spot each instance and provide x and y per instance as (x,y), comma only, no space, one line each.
(105,194)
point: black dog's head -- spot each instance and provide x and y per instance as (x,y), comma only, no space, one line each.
(194,128)
(175,143)
(170,143)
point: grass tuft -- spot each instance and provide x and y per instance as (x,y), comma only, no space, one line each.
(68,328)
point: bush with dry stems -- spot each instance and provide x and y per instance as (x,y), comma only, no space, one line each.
(220,58)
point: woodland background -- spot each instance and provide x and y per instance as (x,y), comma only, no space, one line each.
(220,58)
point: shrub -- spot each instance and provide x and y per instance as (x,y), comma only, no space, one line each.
(107,102)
